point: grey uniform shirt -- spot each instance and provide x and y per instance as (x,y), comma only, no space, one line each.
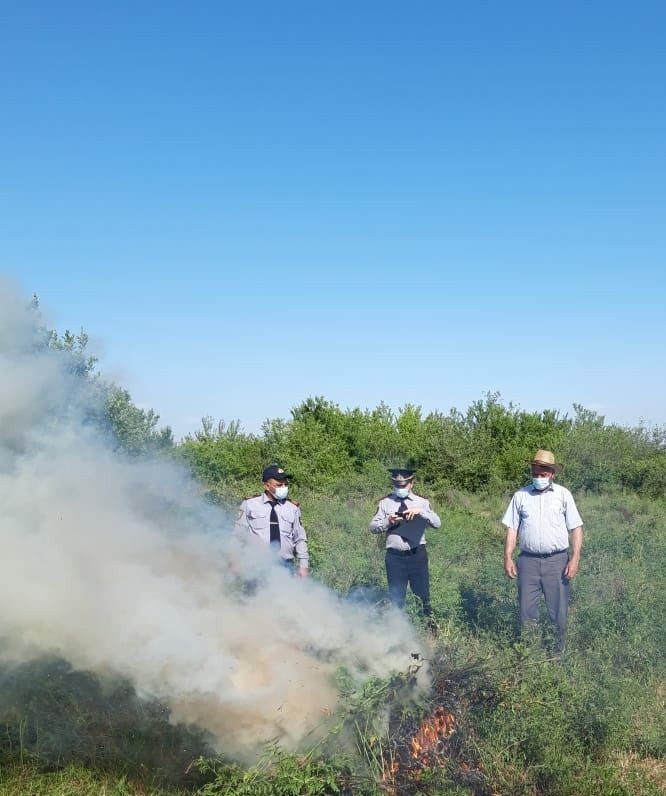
(543,519)
(414,530)
(254,516)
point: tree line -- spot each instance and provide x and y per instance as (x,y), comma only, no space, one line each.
(331,449)
(484,448)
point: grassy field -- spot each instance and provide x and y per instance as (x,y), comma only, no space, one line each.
(72,780)
(522,724)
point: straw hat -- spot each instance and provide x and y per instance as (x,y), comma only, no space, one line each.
(546,459)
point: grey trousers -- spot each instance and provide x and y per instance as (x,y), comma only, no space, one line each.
(544,575)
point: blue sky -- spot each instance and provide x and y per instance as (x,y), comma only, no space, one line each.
(246,204)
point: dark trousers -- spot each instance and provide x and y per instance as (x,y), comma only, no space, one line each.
(537,576)
(409,569)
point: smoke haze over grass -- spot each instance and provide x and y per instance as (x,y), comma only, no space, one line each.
(117,566)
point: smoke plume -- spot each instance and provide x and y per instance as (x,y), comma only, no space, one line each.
(117,566)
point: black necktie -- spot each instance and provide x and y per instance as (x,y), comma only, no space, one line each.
(402,508)
(275,524)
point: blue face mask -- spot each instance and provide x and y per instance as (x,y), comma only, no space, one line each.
(401,492)
(540,483)
(281,492)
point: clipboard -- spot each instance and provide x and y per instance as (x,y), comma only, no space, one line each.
(412,531)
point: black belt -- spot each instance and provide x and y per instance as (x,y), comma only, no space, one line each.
(542,555)
(411,552)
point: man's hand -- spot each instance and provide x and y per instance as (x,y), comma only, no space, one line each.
(509,546)
(394,519)
(571,569)
(412,512)
(302,572)
(510,568)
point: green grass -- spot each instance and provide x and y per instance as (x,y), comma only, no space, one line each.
(525,725)
(73,780)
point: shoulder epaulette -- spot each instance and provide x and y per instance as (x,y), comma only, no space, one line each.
(253,496)
(295,502)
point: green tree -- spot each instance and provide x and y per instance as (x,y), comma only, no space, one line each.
(132,429)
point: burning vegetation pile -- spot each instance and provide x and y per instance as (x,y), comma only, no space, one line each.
(426,749)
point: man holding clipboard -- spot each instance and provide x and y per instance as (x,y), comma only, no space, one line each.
(404,516)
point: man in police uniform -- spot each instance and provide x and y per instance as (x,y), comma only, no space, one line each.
(403,517)
(541,517)
(275,520)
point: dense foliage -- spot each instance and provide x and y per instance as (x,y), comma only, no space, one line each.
(329,449)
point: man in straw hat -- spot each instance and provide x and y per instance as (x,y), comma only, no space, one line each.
(541,517)
(403,516)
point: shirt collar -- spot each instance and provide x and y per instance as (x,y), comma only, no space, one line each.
(536,491)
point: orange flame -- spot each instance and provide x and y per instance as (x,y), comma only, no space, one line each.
(423,747)
(434,729)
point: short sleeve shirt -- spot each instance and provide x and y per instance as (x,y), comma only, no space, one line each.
(254,516)
(543,519)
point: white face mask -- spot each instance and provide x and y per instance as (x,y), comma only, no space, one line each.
(281,492)
(540,483)
(401,492)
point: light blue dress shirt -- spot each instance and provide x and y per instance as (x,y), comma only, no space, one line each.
(543,519)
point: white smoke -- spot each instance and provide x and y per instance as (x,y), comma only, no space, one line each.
(118,567)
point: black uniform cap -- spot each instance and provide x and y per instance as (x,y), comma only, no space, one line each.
(276,472)
(401,474)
